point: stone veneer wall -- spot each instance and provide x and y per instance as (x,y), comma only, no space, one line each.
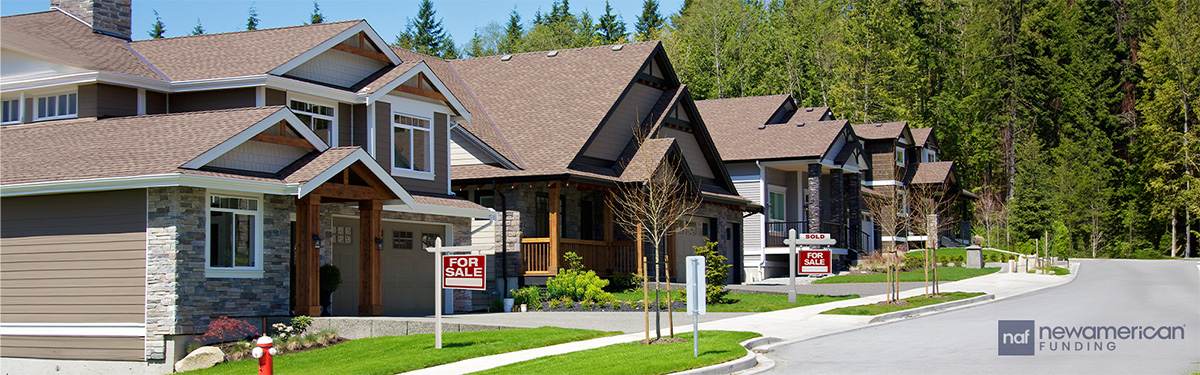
(180,299)
(814,197)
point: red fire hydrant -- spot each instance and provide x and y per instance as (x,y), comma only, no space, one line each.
(263,352)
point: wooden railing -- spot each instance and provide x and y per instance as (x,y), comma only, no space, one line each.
(606,258)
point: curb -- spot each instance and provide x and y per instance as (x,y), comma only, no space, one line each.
(931,308)
(747,361)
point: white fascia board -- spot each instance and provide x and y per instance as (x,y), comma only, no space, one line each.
(893,239)
(329,43)
(280,115)
(442,210)
(74,329)
(83,78)
(147,181)
(357,155)
(458,133)
(883,183)
(437,83)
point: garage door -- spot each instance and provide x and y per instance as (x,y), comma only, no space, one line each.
(407,274)
(694,232)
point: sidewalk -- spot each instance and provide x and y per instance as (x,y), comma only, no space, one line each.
(788,326)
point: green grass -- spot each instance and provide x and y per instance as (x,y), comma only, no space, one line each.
(952,251)
(1058,271)
(944,274)
(395,354)
(913,302)
(748,302)
(633,359)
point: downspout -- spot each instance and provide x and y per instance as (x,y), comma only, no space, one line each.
(762,249)
(503,238)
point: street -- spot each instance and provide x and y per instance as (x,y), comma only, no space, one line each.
(1105,293)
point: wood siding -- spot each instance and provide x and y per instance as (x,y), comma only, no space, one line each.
(156,103)
(73,258)
(467,154)
(276,97)
(338,68)
(100,100)
(383,135)
(612,137)
(345,124)
(358,125)
(210,100)
(691,152)
(93,348)
(441,142)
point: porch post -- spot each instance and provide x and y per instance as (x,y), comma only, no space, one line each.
(853,194)
(307,256)
(370,266)
(837,207)
(555,225)
(814,198)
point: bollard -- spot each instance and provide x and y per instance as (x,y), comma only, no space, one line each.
(264,351)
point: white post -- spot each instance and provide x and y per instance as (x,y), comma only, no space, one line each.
(696,297)
(437,293)
(791,265)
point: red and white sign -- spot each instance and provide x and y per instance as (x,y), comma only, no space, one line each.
(815,262)
(464,272)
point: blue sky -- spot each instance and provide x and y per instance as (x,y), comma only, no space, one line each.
(460,17)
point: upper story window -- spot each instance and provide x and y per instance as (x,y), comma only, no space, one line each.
(776,204)
(930,156)
(412,143)
(318,117)
(234,237)
(12,112)
(56,107)
(900,156)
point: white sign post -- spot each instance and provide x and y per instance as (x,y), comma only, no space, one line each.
(465,270)
(804,239)
(697,296)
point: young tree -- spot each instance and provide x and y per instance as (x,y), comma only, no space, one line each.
(157,28)
(655,204)
(199,29)
(931,213)
(611,29)
(649,24)
(252,21)
(316,16)
(885,206)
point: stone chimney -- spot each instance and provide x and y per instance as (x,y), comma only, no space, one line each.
(109,17)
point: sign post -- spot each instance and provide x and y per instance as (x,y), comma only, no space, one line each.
(804,239)
(697,296)
(455,272)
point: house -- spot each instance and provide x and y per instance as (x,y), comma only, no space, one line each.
(552,137)
(150,186)
(803,166)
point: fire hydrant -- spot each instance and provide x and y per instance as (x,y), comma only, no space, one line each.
(263,352)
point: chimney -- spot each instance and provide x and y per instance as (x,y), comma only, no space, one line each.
(108,17)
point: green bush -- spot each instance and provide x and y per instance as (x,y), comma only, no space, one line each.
(578,284)
(530,296)
(301,322)
(330,278)
(623,282)
(914,261)
(943,260)
(715,272)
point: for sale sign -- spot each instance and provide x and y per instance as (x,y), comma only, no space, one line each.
(815,262)
(464,272)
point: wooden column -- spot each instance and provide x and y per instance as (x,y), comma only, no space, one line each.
(609,235)
(555,225)
(370,265)
(308,292)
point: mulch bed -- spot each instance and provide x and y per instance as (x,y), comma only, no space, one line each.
(225,347)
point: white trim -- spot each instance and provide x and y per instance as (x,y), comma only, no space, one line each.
(782,191)
(428,176)
(37,105)
(883,183)
(245,135)
(371,134)
(83,78)
(20,109)
(441,210)
(314,100)
(260,96)
(147,181)
(361,26)
(255,271)
(74,329)
(141,101)
(412,171)
(357,155)
(892,239)
(456,129)
(421,67)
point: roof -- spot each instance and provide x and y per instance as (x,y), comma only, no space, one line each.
(535,101)
(931,173)
(118,147)
(880,130)
(807,114)
(751,142)
(60,38)
(922,136)
(308,167)
(445,201)
(739,112)
(234,54)
(647,159)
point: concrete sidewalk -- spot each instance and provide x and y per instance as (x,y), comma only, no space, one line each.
(788,326)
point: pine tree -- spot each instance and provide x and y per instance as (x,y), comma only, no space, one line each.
(157,28)
(649,24)
(424,34)
(611,29)
(555,30)
(199,29)
(252,21)
(512,34)
(316,16)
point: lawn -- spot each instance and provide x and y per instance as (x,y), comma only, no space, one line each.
(944,274)
(913,302)
(395,354)
(748,302)
(632,358)
(1058,271)
(952,251)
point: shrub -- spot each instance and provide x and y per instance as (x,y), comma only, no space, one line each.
(496,306)
(192,346)
(960,260)
(578,284)
(943,260)
(302,322)
(240,350)
(330,278)
(622,282)
(225,329)
(914,261)
(715,272)
(530,295)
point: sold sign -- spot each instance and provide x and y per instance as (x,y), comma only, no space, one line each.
(815,262)
(464,272)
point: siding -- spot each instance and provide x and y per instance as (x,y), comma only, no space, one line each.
(358,125)
(383,135)
(276,97)
(100,100)
(156,103)
(337,68)
(210,100)
(467,154)
(752,231)
(612,137)
(691,152)
(345,126)
(94,348)
(441,164)
(259,157)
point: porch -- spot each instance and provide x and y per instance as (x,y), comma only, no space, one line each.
(542,256)
(605,257)
(777,233)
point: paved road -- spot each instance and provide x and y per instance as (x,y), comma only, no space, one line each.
(1106,292)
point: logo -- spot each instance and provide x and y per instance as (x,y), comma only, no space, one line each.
(1016,337)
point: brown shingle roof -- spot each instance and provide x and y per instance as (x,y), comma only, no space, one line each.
(234,54)
(311,165)
(739,113)
(921,136)
(781,141)
(808,114)
(931,173)
(880,130)
(117,147)
(445,201)
(55,36)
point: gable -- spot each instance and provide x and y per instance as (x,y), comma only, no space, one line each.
(16,65)
(691,150)
(268,152)
(615,133)
(345,64)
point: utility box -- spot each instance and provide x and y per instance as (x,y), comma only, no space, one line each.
(974,257)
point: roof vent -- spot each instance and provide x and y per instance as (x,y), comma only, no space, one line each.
(506,58)
(763,126)
(552,53)
(618,47)
(800,125)
(809,109)
(878,124)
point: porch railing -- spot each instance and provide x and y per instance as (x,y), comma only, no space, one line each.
(777,232)
(606,258)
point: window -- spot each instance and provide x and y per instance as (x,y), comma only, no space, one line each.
(412,143)
(777,204)
(402,240)
(900,156)
(930,156)
(429,240)
(541,221)
(12,111)
(235,234)
(319,118)
(485,198)
(57,107)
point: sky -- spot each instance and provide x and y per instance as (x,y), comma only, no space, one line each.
(388,18)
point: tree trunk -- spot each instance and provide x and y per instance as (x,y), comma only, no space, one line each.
(1174,226)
